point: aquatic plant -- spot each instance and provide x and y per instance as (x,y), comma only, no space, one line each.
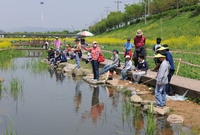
(35,65)
(6,57)
(16,88)
(150,126)
(9,129)
(138,119)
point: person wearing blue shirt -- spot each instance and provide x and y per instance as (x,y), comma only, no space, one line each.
(63,57)
(128,48)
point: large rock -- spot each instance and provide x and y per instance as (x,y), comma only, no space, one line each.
(78,72)
(156,110)
(161,111)
(89,77)
(62,65)
(176,119)
(136,99)
(68,68)
(148,102)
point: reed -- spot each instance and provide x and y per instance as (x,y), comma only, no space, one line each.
(150,126)
(9,129)
(16,88)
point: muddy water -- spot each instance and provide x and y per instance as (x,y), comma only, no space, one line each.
(49,103)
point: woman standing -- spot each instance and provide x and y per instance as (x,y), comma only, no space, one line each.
(95,52)
(57,44)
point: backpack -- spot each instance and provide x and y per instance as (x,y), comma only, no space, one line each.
(119,65)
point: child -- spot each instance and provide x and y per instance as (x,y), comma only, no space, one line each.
(141,68)
(127,67)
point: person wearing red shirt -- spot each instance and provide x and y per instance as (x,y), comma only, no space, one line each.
(139,42)
(95,51)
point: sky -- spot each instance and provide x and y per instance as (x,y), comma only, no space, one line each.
(69,15)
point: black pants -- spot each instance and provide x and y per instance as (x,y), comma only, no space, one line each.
(138,50)
(168,88)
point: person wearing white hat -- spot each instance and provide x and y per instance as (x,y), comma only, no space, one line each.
(161,80)
(141,68)
(95,51)
(127,67)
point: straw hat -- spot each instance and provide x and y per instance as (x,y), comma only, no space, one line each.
(139,33)
(159,56)
(95,42)
(161,48)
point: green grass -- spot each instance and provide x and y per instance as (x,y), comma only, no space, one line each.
(179,32)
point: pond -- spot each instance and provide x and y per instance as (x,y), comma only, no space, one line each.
(47,103)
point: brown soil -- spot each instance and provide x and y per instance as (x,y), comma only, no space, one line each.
(187,109)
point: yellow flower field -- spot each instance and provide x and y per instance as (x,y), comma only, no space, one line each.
(178,43)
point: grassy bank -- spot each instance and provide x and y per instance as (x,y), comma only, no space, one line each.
(179,32)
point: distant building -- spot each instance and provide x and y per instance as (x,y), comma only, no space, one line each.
(2,33)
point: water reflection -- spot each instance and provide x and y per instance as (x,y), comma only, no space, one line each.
(34,53)
(51,71)
(78,94)
(138,119)
(96,107)
(58,74)
(114,95)
(107,109)
(163,127)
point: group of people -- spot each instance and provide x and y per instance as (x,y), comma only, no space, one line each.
(58,55)
(165,67)
(164,64)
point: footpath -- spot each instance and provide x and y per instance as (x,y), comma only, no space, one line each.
(179,84)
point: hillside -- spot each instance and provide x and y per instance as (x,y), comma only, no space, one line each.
(179,32)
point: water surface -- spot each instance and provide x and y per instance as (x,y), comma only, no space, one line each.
(52,103)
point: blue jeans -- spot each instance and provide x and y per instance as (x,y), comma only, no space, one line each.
(124,74)
(95,68)
(160,94)
(106,68)
(77,61)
